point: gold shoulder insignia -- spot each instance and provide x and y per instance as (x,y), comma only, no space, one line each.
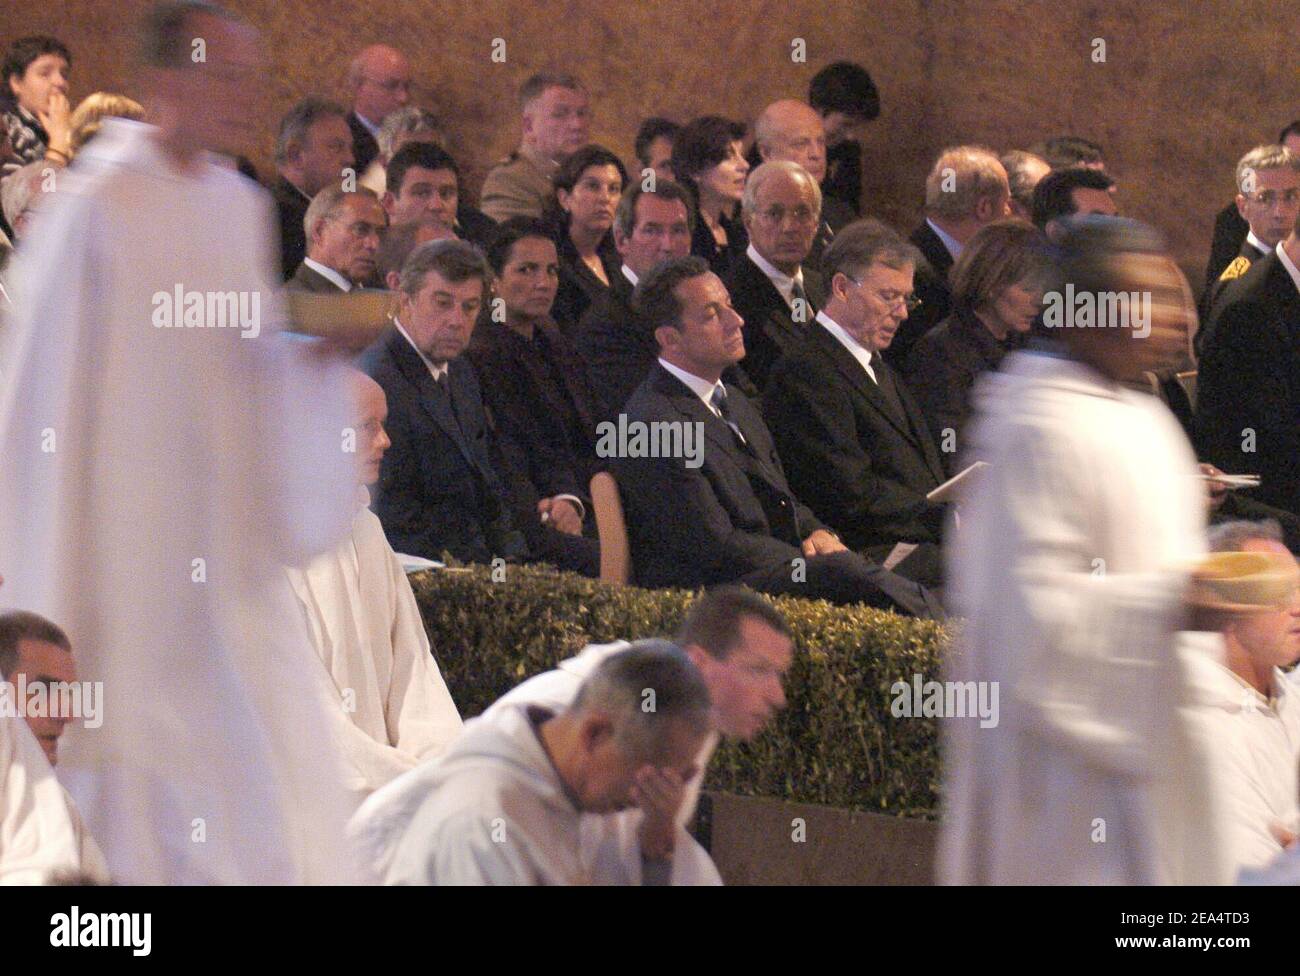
(1238,268)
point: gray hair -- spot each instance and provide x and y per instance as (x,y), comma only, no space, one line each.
(20,186)
(974,174)
(1233,536)
(1268,156)
(1017,162)
(453,260)
(864,243)
(328,204)
(404,122)
(766,171)
(643,689)
(298,121)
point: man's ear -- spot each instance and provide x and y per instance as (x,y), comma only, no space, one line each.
(1241,205)
(667,337)
(387,200)
(596,729)
(391,279)
(620,242)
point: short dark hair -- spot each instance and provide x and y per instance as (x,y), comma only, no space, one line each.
(1291,130)
(21,625)
(655,127)
(653,298)
(844,87)
(1062,152)
(703,143)
(25,50)
(1090,254)
(535,86)
(1054,194)
(425,155)
(625,215)
(714,620)
(166,37)
(866,242)
(454,261)
(297,122)
(581,160)
(509,233)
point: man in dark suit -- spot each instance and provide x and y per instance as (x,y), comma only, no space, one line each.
(380,80)
(855,442)
(967,190)
(344,230)
(618,348)
(720,510)
(792,130)
(313,148)
(773,291)
(423,180)
(1248,383)
(1268,200)
(439,484)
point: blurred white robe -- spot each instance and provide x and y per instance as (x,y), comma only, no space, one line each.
(1070,568)
(37,834)
(493,811)
(155,482)
(367,631)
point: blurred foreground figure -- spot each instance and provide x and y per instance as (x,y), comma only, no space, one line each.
(38,838)
(164,452)
(1072,570)
(529,795)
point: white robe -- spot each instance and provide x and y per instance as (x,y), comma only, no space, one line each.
(37,835)
(493,811)
(1254,745)
(155,482)
(367,631)
(1070,568)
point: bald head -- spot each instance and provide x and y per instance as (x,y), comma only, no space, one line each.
(792,130)
(380,80)
(370,410)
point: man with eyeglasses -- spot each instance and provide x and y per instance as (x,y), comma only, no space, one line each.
(344,230)
(1268,199)
(380,80)
(771,289)
(854,441)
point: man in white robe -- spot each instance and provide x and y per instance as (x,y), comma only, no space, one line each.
(367,630)
(528,795)
(742,647)
(165,454)
(1071,567)
(38,839)
(1245,709)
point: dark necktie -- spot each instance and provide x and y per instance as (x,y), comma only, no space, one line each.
(797,294)
(719,401)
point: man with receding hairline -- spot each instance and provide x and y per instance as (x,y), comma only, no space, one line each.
(344,230)
(380,80)
(530,795)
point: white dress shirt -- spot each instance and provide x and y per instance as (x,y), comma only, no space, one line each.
(951,243)
(329,273)
(784,283)
(1290,266)
(630,275)
(702,388)
(859,352)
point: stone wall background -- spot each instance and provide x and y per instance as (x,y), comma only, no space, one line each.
(1185,89)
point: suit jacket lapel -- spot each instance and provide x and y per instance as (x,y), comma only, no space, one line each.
(435,404)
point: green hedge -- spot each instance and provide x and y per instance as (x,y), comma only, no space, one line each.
(836,743)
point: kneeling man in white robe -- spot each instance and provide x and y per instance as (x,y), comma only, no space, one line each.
(1245,709)
(366,628)
(742,646)
(527,796)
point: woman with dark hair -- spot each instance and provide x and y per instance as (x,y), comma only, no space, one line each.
(34,110)
(998,285)
(709,160)
(587,185)
(535,385)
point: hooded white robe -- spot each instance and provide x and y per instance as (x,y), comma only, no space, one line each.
(493,811)
(155,482)
(1070,568)
(367,631)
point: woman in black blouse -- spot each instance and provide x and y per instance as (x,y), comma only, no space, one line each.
(587,188)
(709,160)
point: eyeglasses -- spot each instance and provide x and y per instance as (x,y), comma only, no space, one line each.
(776,215)
(892,299)
(392,87)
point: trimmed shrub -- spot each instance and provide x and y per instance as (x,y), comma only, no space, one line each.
(835,743)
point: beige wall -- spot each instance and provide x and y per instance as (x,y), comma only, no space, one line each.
(1185,88)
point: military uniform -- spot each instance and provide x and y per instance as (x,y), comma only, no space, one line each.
(518,186)
(1252,249)
(1248,384)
